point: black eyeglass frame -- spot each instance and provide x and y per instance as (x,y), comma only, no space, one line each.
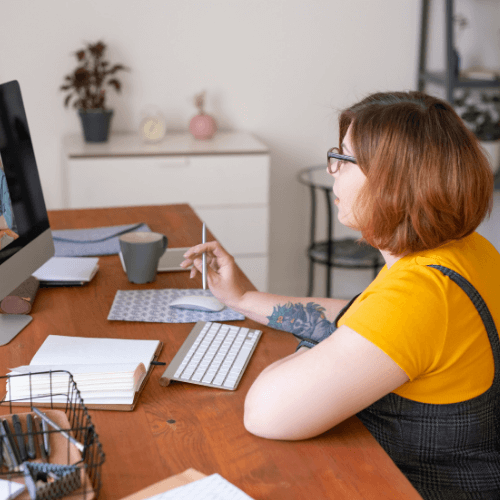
(338,156)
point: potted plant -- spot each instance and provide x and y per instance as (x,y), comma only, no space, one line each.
(481,113)
(86,87)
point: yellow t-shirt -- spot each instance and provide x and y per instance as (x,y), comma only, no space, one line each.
(428,325)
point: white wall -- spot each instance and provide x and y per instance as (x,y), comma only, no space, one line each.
(276,68)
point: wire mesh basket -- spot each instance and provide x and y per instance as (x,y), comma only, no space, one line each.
(48,442)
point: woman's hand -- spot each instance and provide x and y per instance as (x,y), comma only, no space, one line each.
(305,317)
(224,278)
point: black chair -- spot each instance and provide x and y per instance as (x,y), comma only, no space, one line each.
(344,253)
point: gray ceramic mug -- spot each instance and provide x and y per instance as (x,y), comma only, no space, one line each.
(141,251)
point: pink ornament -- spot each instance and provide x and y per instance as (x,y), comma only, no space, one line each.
(202,126)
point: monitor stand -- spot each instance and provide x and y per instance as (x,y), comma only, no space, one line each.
(11,325)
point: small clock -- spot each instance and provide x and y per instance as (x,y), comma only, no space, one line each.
(153,127)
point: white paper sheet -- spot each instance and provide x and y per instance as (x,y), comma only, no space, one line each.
(213,487)
(63,350)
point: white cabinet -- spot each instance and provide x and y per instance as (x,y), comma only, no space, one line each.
(225,180)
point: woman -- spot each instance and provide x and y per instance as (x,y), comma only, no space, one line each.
(414,356)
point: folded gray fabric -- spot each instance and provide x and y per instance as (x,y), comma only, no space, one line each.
(92,241)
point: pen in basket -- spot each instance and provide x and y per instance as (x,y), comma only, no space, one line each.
(18,428)
(9,445)
(39,438)
(30,449)
(71,439)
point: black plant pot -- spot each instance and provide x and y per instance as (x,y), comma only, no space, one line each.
(96,124)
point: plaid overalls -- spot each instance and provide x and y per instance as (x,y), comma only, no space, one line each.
(448,451)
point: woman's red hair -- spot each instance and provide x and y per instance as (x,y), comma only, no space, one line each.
(428,181)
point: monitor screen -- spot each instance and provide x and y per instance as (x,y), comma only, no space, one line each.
(25,236)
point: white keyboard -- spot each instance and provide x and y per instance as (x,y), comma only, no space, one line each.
(214,354)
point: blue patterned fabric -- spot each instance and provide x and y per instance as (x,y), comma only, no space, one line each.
(448,451)
(92,241)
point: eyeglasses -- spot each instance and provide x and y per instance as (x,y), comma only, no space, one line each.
(338,159)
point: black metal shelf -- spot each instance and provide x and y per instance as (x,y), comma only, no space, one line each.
(439,78)
(446,78)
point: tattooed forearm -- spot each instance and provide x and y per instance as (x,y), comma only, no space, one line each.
(304,322)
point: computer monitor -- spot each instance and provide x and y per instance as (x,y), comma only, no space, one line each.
(25,236)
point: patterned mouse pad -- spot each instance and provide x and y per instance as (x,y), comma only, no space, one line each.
(152,306)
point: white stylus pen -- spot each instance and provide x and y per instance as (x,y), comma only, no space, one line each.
(204,257)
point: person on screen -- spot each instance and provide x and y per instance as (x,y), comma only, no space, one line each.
(6,219)
(7,235)
(416,356)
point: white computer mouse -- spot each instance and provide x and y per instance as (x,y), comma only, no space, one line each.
(197,303)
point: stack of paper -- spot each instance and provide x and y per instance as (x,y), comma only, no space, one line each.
(106,371)
(67,270)
(118,383)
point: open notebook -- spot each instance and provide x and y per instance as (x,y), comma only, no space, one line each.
(110,373)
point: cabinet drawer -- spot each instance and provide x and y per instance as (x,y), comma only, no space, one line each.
(198,180)
(240,230)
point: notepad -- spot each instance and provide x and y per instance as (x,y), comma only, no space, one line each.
(188,485)
(109,372)
(213,487)
(67,270)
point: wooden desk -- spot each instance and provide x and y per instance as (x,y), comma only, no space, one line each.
(183,425)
